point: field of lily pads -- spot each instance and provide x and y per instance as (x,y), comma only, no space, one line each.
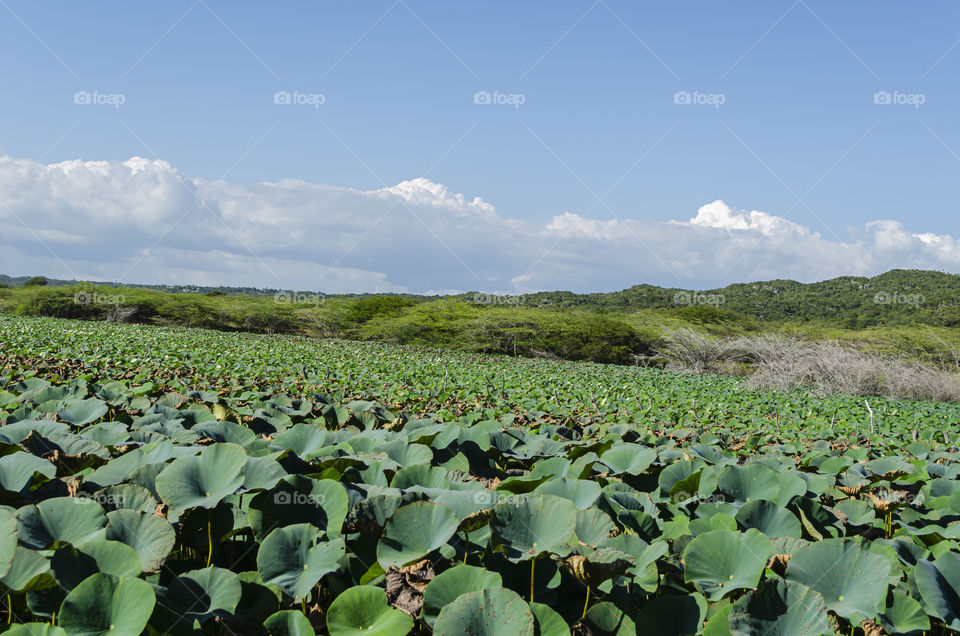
(173,481)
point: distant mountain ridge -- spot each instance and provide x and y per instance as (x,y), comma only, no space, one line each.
(900,296)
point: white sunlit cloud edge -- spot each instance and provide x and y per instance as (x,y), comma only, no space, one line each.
(102,220)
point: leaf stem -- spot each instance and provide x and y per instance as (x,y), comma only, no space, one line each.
(209,537)
(533,564)
(585,603)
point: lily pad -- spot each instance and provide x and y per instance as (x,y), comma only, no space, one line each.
(851,579)
(530,526)
(720,561)
(488,612)
(780,608)
(363,611)
(414,531)
(105,604)
(294,558)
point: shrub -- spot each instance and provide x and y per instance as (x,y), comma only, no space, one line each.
(366,309)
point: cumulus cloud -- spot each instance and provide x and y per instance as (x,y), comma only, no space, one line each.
(143,220)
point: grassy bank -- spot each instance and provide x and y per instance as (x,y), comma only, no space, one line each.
(532,326)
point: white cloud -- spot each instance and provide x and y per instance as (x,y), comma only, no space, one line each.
(144,221)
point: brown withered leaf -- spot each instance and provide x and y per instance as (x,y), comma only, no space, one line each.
(404,586)
(316,617)
(73,486)
(872,629)
(853,491)
(419,573)
(887,499)
(778,563)
(599,566)
(70,464)
(476,520)
(395,425)
(489,482)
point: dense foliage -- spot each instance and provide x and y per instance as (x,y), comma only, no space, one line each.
(158,480)
(903,312)
(898,297)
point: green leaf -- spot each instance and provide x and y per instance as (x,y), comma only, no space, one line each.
(548,621)
(83,412)
(29,570)
(299,499)
(447,586)
(939,587)
(594,526)
(769,518)
(851,579)
(202,481)
(363,611)
(671,616)
(17,470)
(198,595)
(719,623)
(749,482)
(720,561)
(72,565)
(780,608)
(488,612)
(606,619)
(8,539)
(295,559)
(289,623)
(35,629)
(582,492)
(414,531)
(105,604)
(150,535)
(903,614)
(632,459)
(60,520)
(530,526)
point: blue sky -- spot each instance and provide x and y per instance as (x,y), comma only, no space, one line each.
(798,134)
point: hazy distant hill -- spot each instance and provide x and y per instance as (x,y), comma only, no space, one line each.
(898,297)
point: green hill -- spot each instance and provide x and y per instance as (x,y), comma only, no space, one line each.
(909,312)
(898,297)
